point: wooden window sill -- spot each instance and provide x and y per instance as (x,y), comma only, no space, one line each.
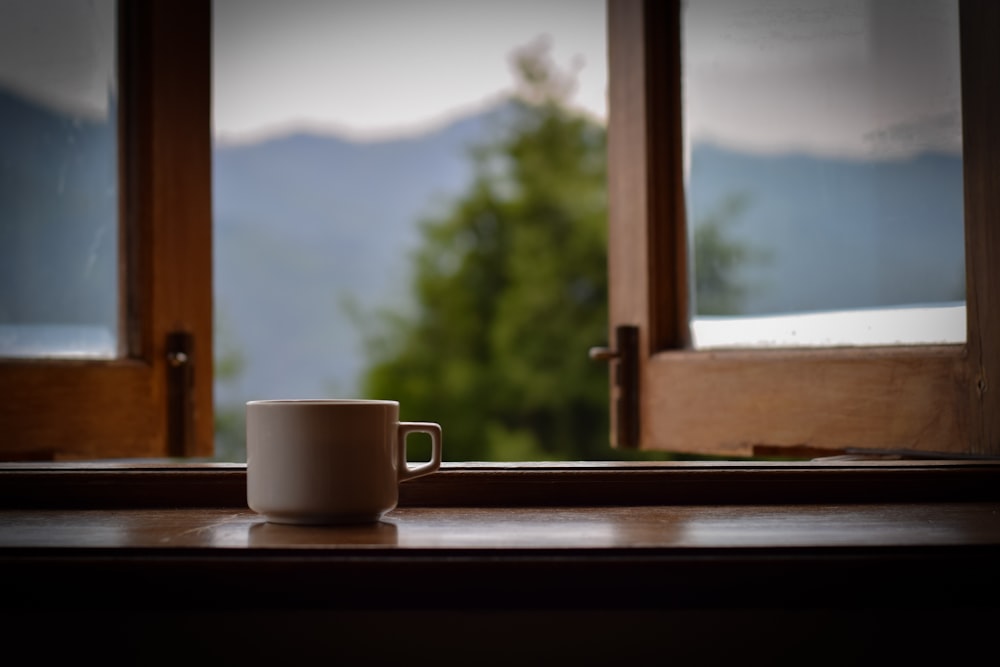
(171,483)
(529,535)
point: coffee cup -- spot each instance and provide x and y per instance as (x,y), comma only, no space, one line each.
(330,461)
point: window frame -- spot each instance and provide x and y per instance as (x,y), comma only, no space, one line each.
(146,403)
(931,400)
(88,409)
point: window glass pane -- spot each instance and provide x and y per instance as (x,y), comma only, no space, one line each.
(58,179)
(824,171)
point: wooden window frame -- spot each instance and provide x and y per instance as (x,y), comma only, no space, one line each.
(145,403)
(931,399)
(934,400)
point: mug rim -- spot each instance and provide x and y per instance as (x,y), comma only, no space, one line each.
(321,401)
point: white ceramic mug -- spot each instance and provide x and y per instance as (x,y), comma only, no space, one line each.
(330,461)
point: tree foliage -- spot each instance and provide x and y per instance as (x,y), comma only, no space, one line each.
(229,365)
(510,291)
(718,259)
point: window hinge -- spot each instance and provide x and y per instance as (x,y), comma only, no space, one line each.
(624,358)
(180,382)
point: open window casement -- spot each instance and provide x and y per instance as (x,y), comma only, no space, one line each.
(149,393)
(934,399)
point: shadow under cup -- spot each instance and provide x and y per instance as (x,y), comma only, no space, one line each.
(332,461)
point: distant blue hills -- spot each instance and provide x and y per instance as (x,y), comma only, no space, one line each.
(836,233)
(305,222)
(58,204)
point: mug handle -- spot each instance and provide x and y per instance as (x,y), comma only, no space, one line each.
(405,429)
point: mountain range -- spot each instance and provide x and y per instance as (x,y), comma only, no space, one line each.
(823,233)
(307,222)
(58,207)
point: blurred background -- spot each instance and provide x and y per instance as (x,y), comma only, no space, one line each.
(409,203)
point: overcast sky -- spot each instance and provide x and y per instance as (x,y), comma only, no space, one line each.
(857,78)
(851,77)
(59,52)
(376,67)
(361,67)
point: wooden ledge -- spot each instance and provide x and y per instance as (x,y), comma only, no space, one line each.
(158,535)
(873,555)
(147,484)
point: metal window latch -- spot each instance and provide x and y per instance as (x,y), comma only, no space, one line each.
(624,357)
(180,398)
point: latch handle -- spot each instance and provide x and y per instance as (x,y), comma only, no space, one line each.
(180,395)
(625,358)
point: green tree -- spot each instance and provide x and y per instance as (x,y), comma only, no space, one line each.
(718,259)
(230,420)
(510,291)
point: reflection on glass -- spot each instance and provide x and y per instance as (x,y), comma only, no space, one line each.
(58,179)
(824,172)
